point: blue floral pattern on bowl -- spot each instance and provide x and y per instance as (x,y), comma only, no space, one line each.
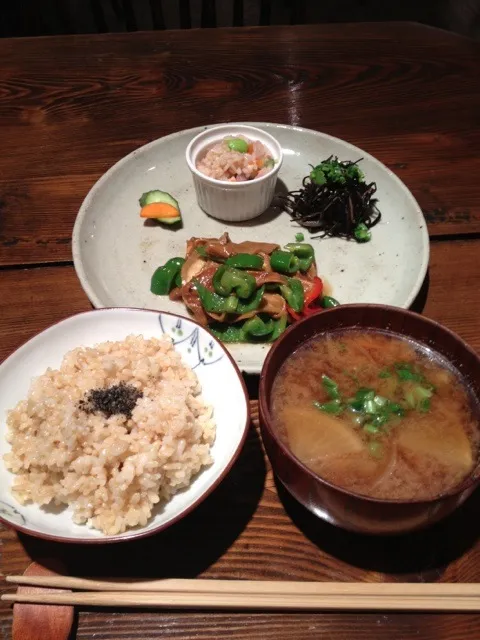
(195,344)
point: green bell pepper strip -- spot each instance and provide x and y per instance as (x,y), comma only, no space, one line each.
(211,302)
(257,328)
(228,332)
(293,294)
(245,261)
(328,302)
(304,264)
(279,327)
(251,303)
(239,332)
(165,277)
(300,249)
(284,262)
(228,280)
(231,304)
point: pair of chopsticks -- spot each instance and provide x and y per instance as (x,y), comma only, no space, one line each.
(248,594)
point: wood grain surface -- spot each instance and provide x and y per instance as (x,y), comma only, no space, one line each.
(71,106)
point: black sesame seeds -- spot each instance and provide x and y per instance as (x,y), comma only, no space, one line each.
(120,399)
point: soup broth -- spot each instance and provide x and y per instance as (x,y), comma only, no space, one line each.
(377,415)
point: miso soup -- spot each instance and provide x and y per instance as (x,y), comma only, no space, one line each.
(376,414)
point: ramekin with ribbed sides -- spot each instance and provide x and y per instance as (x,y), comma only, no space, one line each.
(245,189)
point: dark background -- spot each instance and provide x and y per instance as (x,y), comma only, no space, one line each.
(52,17)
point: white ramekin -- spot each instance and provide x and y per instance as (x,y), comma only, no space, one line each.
(233,201)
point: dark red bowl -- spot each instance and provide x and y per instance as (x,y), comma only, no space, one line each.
(327,501)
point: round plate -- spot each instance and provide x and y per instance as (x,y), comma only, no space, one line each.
(115,252)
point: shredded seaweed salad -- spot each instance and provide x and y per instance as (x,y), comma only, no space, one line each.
(335,201)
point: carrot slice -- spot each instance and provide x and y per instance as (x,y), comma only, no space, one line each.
(159,210)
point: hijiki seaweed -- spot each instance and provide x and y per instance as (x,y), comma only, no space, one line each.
(335,201)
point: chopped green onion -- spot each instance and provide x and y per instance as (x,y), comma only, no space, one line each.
(404,372)
(370,407)
(365,394)
(385,374)
(380,401)
(299,237)
(331,387)
(410,399)
(376,449)
(201,251)
(423,392)
(396,409)
(334,407)
(424,405)
(371,429)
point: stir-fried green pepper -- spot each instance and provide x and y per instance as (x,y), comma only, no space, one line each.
(231,304)
(328,302)
(228,332)
(279,327)
(293,294)
(227,280)
(166,277)
(304,264)
(284,262)
(252,330)
(252,303)
(211,301)
(245,261)
(300,249)
(258,328)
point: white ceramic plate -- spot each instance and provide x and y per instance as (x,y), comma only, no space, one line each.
(115,252)
(222,388)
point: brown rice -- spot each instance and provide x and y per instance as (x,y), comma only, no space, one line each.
(112,471)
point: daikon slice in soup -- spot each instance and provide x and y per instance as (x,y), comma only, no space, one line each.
(377,414)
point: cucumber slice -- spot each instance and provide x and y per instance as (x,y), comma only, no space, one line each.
(158,196)
(169,220)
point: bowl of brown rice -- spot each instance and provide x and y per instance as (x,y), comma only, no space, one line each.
(115,424)
(234,169)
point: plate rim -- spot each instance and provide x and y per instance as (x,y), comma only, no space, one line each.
(251,368)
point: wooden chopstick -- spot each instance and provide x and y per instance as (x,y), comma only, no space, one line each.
(235,594)
(437,589)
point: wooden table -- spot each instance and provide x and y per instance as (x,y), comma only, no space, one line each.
(72,106)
